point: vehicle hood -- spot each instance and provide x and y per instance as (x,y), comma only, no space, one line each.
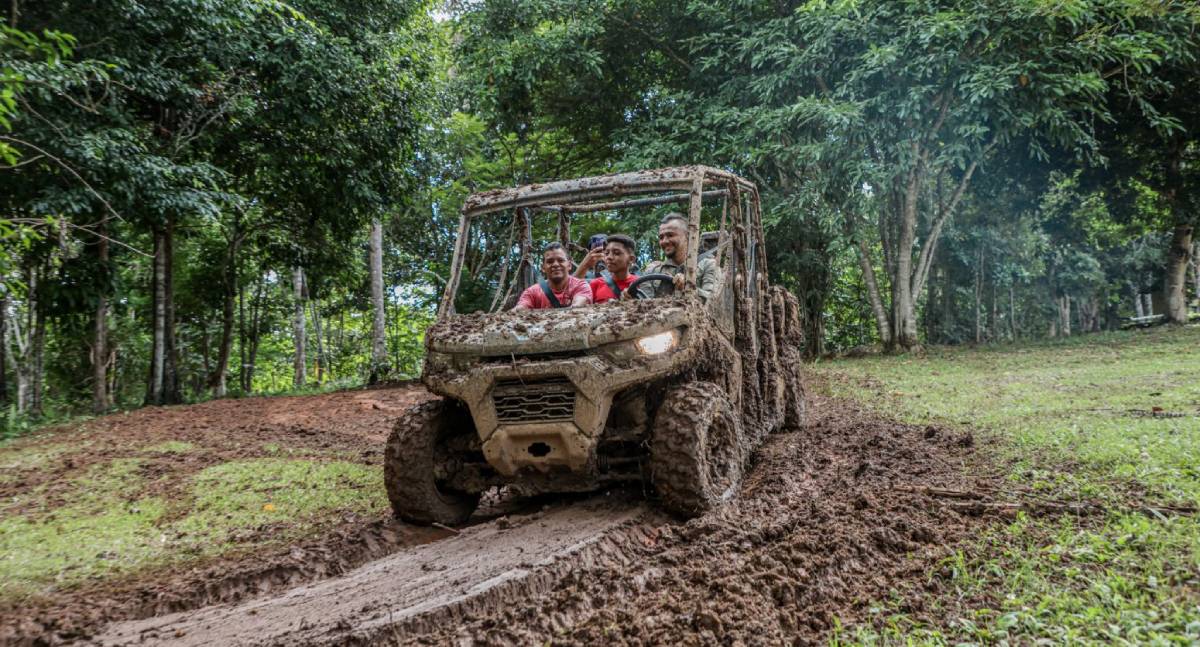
(550,331)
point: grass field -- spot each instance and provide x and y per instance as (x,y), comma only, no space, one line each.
(1113,418)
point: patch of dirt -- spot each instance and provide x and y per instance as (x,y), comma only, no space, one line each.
(830,520)
(348,425)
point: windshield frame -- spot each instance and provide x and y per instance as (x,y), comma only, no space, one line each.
(691,184)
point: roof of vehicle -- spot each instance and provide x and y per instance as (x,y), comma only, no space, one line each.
(600,186)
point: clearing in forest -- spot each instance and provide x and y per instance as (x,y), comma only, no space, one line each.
(1021,495)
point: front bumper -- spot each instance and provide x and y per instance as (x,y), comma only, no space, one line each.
(546,414)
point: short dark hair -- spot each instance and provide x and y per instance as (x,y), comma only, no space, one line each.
(674,215)
(623,241)
(553,246)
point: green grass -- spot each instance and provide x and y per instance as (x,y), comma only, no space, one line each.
(170,447)
(108,527)
(1073,419)
(15,460)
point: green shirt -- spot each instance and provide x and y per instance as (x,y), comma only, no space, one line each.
(708,278)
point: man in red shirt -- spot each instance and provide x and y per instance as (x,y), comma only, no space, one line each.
(619,253)
(559,289)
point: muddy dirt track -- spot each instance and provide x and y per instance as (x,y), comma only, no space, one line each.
(827,523)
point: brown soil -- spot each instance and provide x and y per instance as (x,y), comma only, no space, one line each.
(829,521)
(349,425)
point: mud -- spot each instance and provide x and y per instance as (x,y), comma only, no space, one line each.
(829,521)
(582,327)
(350,425)
(822,530)
(422,588)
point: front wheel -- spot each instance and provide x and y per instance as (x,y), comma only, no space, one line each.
(697,450)
(417,465)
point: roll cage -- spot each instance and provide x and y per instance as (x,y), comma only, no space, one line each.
(682,184)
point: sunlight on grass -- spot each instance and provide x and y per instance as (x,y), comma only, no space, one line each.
(14,460)
(171,447)
(245,494)
(107,527)
(1114,417)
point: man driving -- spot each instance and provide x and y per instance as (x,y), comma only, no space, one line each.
(559,289)
(672,239)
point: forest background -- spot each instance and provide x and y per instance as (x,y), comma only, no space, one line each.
(214,198)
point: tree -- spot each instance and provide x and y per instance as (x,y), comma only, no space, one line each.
(878,109)
(379,367)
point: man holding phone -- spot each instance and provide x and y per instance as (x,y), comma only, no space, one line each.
(619,253)
(592,266)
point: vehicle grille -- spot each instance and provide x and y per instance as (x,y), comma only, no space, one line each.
(534,401)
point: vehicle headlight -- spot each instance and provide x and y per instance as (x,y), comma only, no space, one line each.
(656,344)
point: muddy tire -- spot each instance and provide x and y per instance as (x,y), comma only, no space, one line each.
(794,408)
(697,450)
(416,462)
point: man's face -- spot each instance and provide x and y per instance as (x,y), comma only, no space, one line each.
(617,258)
(556,265)
(672,238)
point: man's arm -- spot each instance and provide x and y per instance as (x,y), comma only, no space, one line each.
(647,289)
(582,295)
(525,302)
(709,278)
(589,261)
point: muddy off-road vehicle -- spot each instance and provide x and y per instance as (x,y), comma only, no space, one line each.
(673,392)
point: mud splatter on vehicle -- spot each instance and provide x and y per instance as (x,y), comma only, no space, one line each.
(673,392)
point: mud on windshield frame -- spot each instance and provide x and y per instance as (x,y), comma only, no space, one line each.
(690,184)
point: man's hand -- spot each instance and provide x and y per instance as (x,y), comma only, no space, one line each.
(589,261)
(679,281)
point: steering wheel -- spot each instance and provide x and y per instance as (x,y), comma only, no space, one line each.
(632,289)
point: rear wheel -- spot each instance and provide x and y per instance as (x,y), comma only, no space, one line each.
(418,464)
(697,451)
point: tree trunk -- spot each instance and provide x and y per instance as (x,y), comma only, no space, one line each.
(255,320)
(882,324)
(171,386)
(978,295)
(994,320)
(3,351)
(904,321)
(1137,304)
(158,301)
(100,399)
(322,356)
(300,362)
(379,358)
(241,314)
(1064,315)
(1148,305)
(20,340)
(1179,257)
(1196,269)
(218,379)
(1012,309)
(949,322)
(38,342)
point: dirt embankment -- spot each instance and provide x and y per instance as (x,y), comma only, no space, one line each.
(827,524)
(349,425)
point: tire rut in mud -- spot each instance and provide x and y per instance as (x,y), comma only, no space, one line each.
(421,589)
(822,531)
(828,522)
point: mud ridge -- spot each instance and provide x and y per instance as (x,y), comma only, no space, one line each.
(821,532)
(475,572)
